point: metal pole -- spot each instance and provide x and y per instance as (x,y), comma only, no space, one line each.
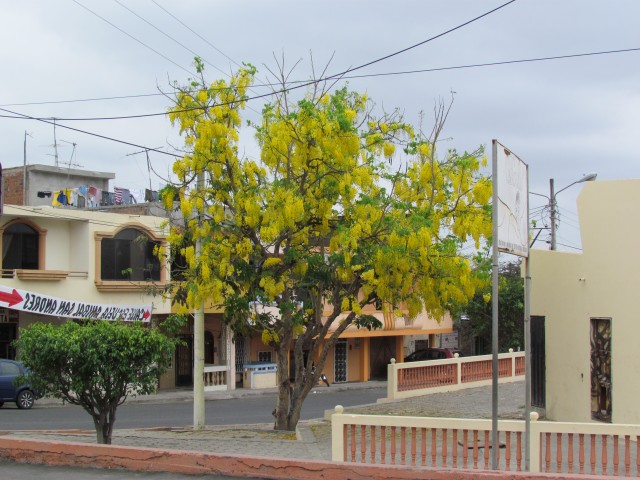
(198,335)
(552,206)
(527,364)
(24,171)
(494,316)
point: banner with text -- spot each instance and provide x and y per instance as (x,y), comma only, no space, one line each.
(45,305)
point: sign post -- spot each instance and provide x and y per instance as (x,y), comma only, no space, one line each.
(510,223)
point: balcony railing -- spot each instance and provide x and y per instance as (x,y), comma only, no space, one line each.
(215,377)
(433,376)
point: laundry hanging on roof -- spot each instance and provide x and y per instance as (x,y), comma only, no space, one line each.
(151,195)
(108,198)
(122,196)
(61,198)
(94,196)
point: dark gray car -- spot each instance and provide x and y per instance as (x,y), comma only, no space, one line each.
(22,395)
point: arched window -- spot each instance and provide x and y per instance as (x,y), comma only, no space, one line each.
(129,256)
(20,247)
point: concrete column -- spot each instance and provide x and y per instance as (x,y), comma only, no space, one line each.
(231,358)
(400,348)
(365,359)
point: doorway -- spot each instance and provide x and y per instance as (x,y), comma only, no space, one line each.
(538,363)
(8,333)
(184,361)
(382,350)
(601,405)
(340,361)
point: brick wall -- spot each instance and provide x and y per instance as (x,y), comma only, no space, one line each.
(12,185)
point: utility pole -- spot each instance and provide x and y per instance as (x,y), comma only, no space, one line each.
(198,333)
(552,207)
(24,171)
(590,177)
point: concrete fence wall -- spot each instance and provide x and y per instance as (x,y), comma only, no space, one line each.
(414,379)
(450,443)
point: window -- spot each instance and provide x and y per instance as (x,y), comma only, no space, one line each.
(264,357)
(20,247)
(129,256)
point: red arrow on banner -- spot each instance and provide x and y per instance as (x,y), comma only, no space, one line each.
(11,298)
(146,315)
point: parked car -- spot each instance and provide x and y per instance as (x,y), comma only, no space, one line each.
(432,354)
(22,395)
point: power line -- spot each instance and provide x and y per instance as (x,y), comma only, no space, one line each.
(493,64)
(79,100)
(301,85)
(169,36)
(132,37)
(386,57)
(104,137)
(195,33)
(408,72)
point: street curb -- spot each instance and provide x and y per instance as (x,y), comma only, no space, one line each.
(187,395)
(200,463)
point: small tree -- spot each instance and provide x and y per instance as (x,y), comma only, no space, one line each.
(510,315)
(96,365)
(323,223)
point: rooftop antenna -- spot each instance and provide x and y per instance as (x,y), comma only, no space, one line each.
(70,162)
(146,150)
(73,152)
(24,172)
(55,142)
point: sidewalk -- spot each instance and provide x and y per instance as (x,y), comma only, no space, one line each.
(312,441)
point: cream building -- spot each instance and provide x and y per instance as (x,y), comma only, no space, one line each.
(590,311)
(67,263)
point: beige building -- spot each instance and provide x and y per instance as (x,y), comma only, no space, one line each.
(360,355)
(587,305)
(67,263)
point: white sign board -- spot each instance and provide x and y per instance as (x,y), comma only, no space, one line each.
(45,305)
(513,202)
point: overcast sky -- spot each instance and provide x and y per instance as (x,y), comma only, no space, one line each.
(564,117)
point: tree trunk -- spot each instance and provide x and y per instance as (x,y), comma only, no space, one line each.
(291,396)
(103,423)
(297,400)
(284,391)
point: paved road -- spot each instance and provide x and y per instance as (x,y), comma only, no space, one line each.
(178,413)
(261,440)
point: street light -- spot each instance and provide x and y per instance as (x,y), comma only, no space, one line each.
(552,202)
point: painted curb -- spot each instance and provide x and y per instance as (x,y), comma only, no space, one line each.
(200,463)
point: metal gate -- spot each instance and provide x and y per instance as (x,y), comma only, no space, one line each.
(538,364)
(184,361)
(241,353)
(340,361)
